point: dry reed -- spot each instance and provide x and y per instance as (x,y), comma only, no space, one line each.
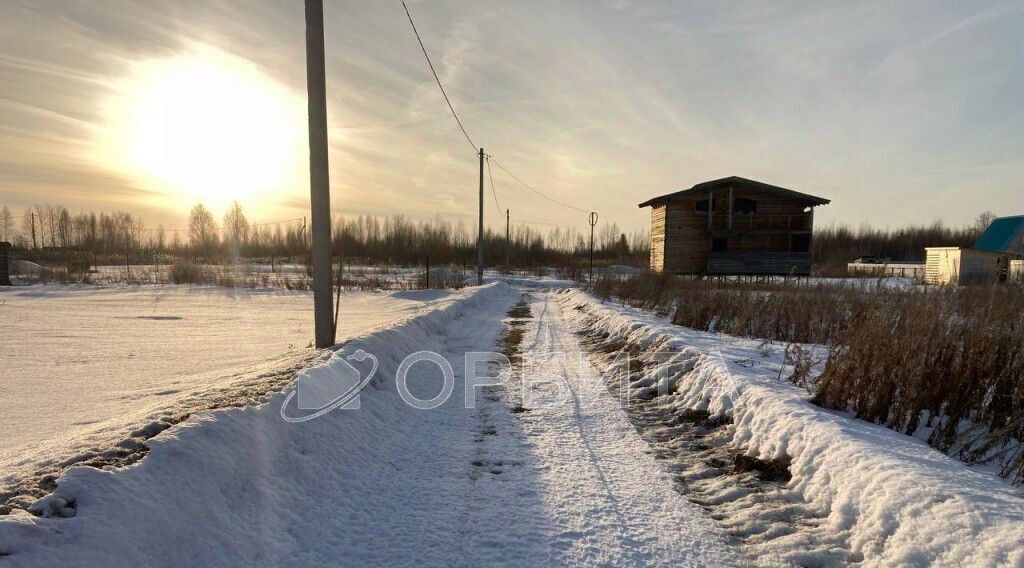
(945,364)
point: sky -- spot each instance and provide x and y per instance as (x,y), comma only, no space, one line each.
(899,112)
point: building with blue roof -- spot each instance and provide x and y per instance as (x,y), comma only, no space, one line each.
(1005,234)
(995,257)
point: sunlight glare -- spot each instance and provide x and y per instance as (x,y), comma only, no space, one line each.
(207,126)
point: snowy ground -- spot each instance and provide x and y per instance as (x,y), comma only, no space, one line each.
(387,484)
(84,366)
(546,466)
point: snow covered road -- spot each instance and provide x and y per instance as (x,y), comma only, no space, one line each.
(612,504)
(566,483)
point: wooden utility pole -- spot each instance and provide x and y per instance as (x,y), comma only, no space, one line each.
(319,178)
(480,228)
(508,243)
(593,221)
(5,271)
(33,215)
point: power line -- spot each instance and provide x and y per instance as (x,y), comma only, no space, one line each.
(466,134)
(438,79)
(297,219)
(531,188)
(524,222)
(491,177)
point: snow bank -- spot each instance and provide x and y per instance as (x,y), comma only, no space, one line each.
(242,487)
(392,343)
(27,268)
(896,500)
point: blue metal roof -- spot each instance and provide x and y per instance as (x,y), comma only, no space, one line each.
(1000,234)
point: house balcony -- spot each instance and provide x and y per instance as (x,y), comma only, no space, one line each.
(755,223)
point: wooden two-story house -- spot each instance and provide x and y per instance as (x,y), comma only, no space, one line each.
(732,225)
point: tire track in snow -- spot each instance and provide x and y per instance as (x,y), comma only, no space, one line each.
(605,492)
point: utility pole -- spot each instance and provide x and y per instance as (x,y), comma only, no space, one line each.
(593,221)
(5,270)
(508,243)
(480,228)
(33,215)
(319,178)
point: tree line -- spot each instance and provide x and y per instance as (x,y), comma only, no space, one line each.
(836,245)
(44,230)
(402,240)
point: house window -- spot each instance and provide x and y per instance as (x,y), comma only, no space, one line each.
(719,244)
(744,206)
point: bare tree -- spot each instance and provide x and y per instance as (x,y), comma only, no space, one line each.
(129,230)
(984,219)
(202,229)
(63,225)
(236,227)
(6,225)
(28,228)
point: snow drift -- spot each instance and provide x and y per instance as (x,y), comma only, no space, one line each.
(241,486)
(896,500)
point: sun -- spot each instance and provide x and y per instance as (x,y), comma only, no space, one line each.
(205,126)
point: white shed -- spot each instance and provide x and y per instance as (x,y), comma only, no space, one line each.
(1017,271)
(955,265)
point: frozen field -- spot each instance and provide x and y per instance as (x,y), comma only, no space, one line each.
(84,366)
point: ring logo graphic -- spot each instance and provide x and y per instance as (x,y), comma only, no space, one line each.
(335,385)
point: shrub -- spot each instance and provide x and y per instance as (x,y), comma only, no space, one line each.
(184,272)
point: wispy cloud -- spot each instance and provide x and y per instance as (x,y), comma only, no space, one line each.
(600,103)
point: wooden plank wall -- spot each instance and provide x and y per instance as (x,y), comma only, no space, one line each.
(680,242)
(658,238)
(686,238)
(784,263)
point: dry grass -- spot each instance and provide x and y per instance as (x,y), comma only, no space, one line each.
(946,364)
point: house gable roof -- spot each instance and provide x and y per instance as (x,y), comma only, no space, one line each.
(739,182)
(1001,234)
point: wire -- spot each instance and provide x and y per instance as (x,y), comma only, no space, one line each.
(466,134)
(438,79)
(251,226)
(522,222)
(297,219)
(531,188)
(493,191)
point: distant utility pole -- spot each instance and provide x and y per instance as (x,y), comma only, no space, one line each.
(593,221)
(480,228)
(319,179)
(508,243)
(33,216)
(5,271)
